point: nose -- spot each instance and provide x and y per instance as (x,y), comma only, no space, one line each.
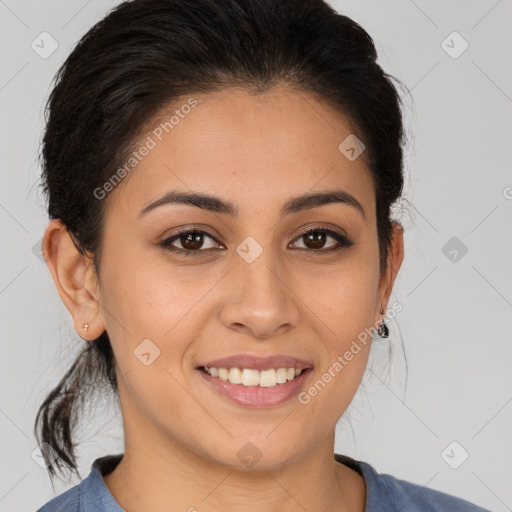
(259,299)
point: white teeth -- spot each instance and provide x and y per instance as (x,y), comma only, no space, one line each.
(249,377)
(235,376)
(281,375)
(268,378)
(223,374)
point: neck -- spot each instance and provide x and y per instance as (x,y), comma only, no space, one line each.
(156,480)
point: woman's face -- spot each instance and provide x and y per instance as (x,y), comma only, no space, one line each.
(251,286)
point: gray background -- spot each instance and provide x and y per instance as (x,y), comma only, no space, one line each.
(455,322)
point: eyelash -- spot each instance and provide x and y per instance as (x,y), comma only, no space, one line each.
(343,242)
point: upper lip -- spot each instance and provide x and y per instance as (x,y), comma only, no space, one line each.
(258,363)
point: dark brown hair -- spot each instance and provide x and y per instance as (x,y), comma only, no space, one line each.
(144,55)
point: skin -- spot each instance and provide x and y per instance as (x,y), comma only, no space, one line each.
(181,436)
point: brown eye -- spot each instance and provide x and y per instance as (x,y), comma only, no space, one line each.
(315,239)
(191,241)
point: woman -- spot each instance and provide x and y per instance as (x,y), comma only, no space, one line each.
(219,178)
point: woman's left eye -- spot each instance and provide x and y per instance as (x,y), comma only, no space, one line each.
(192,241)
(316,237)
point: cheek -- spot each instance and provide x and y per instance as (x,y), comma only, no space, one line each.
(149,324)
(142,291)
(151,299)
(341,303)
(345,314)
(341,296)
(342,309)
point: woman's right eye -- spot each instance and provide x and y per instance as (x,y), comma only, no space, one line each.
(191,242)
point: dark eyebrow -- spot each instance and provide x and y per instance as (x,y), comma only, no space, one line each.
(313,200)
(294,205)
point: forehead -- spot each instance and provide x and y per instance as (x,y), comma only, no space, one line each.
(254,150)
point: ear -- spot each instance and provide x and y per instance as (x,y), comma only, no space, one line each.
(75,278)
(394,261)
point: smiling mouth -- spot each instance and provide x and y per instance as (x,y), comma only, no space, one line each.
(271,377)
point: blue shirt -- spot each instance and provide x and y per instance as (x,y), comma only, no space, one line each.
(384,493)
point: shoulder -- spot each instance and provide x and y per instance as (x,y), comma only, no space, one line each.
(413,497)
(68,501)
(385,492)
(91,494)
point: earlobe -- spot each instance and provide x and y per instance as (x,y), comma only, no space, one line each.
(75,278)
(395,258)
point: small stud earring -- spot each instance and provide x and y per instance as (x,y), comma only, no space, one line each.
(85,327)
(383,330)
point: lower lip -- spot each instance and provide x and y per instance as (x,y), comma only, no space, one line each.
(256,396)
